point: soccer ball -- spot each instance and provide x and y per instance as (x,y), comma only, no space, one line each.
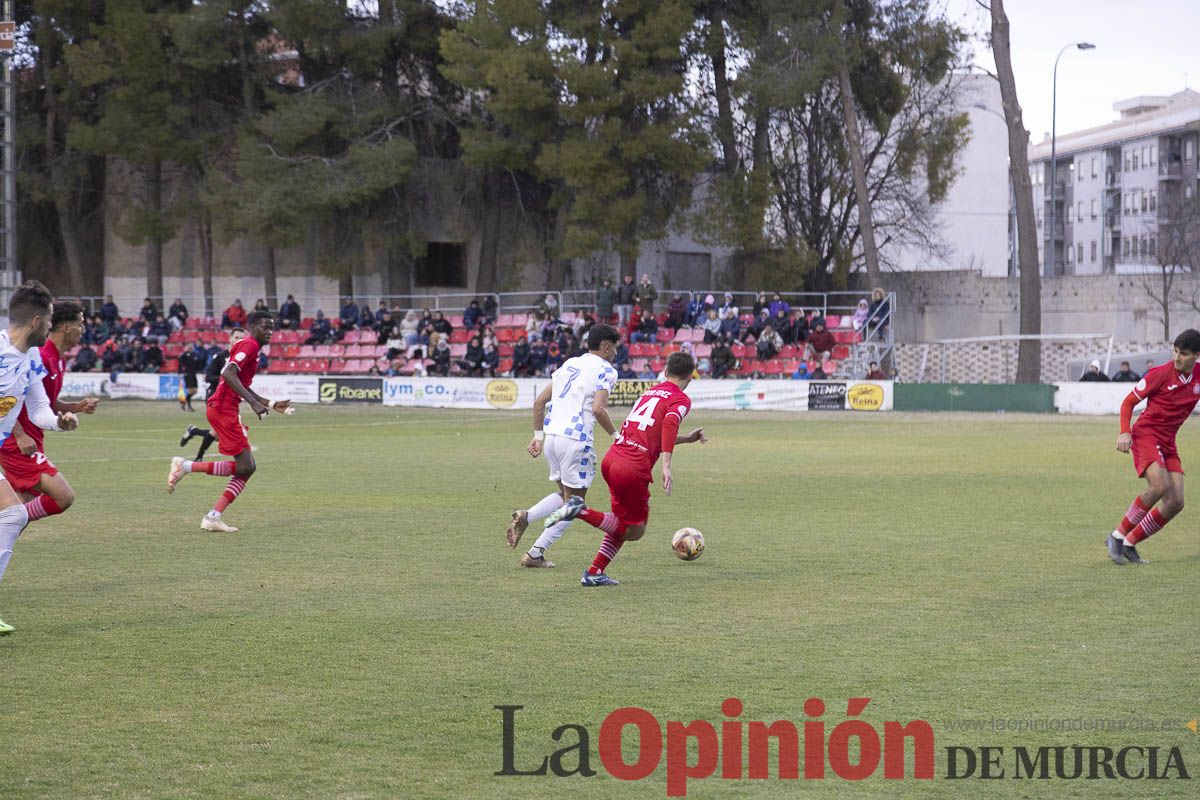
(688,543)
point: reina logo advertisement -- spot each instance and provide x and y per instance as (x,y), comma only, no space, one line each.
(632,744)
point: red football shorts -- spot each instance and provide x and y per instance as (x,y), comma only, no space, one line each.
(23,471)
(629,488)
(231,433)
(1148,450)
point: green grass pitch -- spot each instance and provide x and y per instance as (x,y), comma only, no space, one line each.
(352,640)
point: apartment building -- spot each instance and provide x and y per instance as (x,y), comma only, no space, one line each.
(1117,185)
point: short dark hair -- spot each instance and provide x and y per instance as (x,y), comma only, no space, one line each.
(680,365)
(237,328)
(1189,340)
(601,333)
(66,311)
(29,300)
(258,316)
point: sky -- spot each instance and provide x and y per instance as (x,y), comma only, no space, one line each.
(1151,47)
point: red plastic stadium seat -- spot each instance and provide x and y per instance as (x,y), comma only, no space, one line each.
(643,350)
(639,364)
(657,365)
(504,320)
(830,366)
(338,366)
(458,350)
(840,352)
(505,350)
(788,351)
(832,321)
(739,351)
(665,334)
(683,335)
(772,367)
(520,321)
(505,365)
(508,334)
(460,336)
(455,320)
(193,323)
(791,366)
(667,349)
(845,337)
(703,350)
(307,322)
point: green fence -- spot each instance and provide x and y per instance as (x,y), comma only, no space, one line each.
(1038,398)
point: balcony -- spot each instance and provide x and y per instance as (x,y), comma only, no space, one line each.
(1171,169)
(1112,179)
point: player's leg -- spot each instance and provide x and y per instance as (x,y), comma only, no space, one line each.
(536,555)
(243,468)
(1147,462)
(547,505)
(56,496)
(13,519)
(1157,518)
(206,442)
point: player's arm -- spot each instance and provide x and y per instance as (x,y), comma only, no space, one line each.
(42,415)
(85,406)
(230,375)
(539,416)
(1125,437)
(600,411)
(25,442)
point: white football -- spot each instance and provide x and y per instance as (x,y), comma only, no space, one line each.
(688,543)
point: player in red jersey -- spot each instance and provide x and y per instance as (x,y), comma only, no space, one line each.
(1171,391)
(34,477)
(650,430)
(227,424)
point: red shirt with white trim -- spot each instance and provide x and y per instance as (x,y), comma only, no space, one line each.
(656,416)
(243,355)
(1170,398)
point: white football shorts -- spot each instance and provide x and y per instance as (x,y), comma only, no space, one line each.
(570,461)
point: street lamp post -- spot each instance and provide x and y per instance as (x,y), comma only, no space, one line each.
(1050,258)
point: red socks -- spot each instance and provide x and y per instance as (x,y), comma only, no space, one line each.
(223,468)
(41,507)
(608,551)
(1151,524)
(232,490)
(604,520)
(1133,516)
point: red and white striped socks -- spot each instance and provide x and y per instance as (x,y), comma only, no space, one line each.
(608,551)
(222,468)
(1151,524)
(1133,516)
(232,490)
(41,507)
(604,520)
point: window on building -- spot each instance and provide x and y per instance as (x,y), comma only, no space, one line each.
(1153,154)
(1093,259)
(1095,208)
(1187,192)
(1154,199)
(1154,245)
(444,264)
(1079,210)
(1079,253)
(1135,159)
(1127,161)
(1145,201)
(1070,254)
(1189,149)
(1145,163)
(1142,245)
(1093,167)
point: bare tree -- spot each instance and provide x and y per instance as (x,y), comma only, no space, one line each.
(1173,248)
(1029,355)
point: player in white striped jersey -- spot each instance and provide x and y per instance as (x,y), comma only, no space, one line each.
(564,415)
(21,372)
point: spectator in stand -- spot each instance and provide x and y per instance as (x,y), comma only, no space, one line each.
(874,373)
(566,342)
(471,363)
(756,328)
(625,371)
(645,294)
(85,359)
(549,330)
(409,328)
(520,358)
(538,355)
(801,373)
(425,326)
(388,329)
(178,313)
(799,328)
(234,316)
(646,374)
(441,325)
(490,307)
(152,358)
(606,301)
(860,316)
(778,304)
(647,330)
(818,373)
(379,312)
(416,363)
(721,359)
(349,313)
(820,343)
(730,325)
(491,360)
(441,358)
(159,330)
(783,325)
(727,306)
(366,319)
(768,344)
(110,359)
(471,314)
(817,317)
(96,331)
(108,311)
(321,331)
(261,305)
(549,307)
(1125,374)
(488,337)
(879,311)
(1093,373)
(760,305)
(149,311)
(626,295)
(554,358)
(712,327)
(583,323)
(135,357)
(676,308)
(289,314)
(894,375)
